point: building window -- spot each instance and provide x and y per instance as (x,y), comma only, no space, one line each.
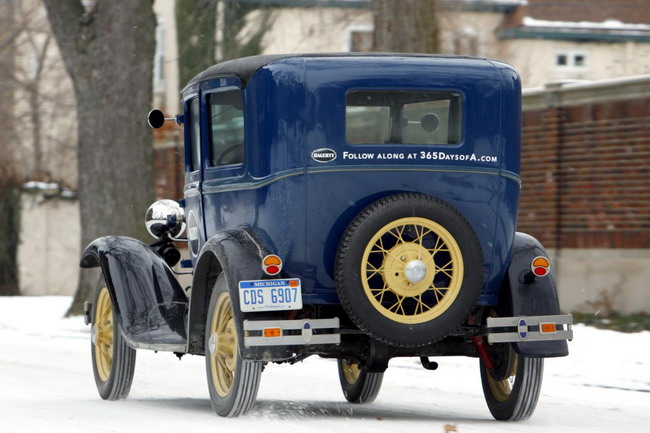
(573,60)
(159,57)
(360,39)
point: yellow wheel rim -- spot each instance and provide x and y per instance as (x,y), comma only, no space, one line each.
(351,371)
(103,340)
(412,270)
(501,389)
(223,346)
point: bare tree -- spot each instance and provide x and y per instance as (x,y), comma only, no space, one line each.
(196,26)
(406,26)
(234,42)
(27,147)
(108,49)
(204,39)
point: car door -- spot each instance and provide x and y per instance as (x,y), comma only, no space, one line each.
(227,203)
(193,174)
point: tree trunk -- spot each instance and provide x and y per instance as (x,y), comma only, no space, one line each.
(9,184)
(9,230)
(108,51)
(407,26)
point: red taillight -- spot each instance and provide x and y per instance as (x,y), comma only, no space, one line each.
(272,264)
(540,266)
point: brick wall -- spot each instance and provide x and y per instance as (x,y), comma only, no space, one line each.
(586,166)
(169,167)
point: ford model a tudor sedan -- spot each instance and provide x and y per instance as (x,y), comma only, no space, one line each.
(355,207)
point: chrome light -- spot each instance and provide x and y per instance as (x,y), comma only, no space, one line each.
(165,216)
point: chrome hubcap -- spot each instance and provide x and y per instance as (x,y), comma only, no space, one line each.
(415,271)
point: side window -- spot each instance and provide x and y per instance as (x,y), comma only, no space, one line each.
(227,122)
(403,117)
(195,135)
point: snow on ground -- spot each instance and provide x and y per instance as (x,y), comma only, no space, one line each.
(46,384)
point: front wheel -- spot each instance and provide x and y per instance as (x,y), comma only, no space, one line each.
(512,387)
(233,382)
(358,386)
(113,360)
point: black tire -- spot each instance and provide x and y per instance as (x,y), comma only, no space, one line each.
(512,388)
(232,381)
(373,278)
(113,360)
(358,386)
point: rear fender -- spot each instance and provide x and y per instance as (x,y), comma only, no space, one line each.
(238,254)
(149,303)
(537,298)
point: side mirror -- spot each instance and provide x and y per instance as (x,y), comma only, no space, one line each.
(165,217)
(156,119)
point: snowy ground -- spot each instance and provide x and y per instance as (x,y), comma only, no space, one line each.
(46,384)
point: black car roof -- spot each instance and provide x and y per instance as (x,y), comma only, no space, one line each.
(245,67)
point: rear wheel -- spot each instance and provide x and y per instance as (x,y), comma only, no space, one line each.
(408,269)
(512,387)
(358,386)
(232,381)
(113,360)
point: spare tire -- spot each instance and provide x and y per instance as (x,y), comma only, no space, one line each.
(409,268)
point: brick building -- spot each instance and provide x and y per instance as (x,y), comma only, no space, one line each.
(586,189)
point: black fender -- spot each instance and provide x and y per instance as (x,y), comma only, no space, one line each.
(536,298)
(148,300)
(238,254)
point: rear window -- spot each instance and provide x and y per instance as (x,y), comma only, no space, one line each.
(403,117)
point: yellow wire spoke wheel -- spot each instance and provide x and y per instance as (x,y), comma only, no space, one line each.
(351,371)
(232,380)
(104,335)
(412,270)
(113,360)
(409,269)
(502,389)
(358,386)
(223,346)
(512,387)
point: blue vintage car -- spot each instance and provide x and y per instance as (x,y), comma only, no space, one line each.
(357,207)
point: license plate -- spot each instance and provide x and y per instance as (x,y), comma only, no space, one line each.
(270,295)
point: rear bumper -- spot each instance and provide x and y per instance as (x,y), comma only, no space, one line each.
(529,328)
(291,332)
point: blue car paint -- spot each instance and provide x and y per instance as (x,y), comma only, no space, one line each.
(300,207)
